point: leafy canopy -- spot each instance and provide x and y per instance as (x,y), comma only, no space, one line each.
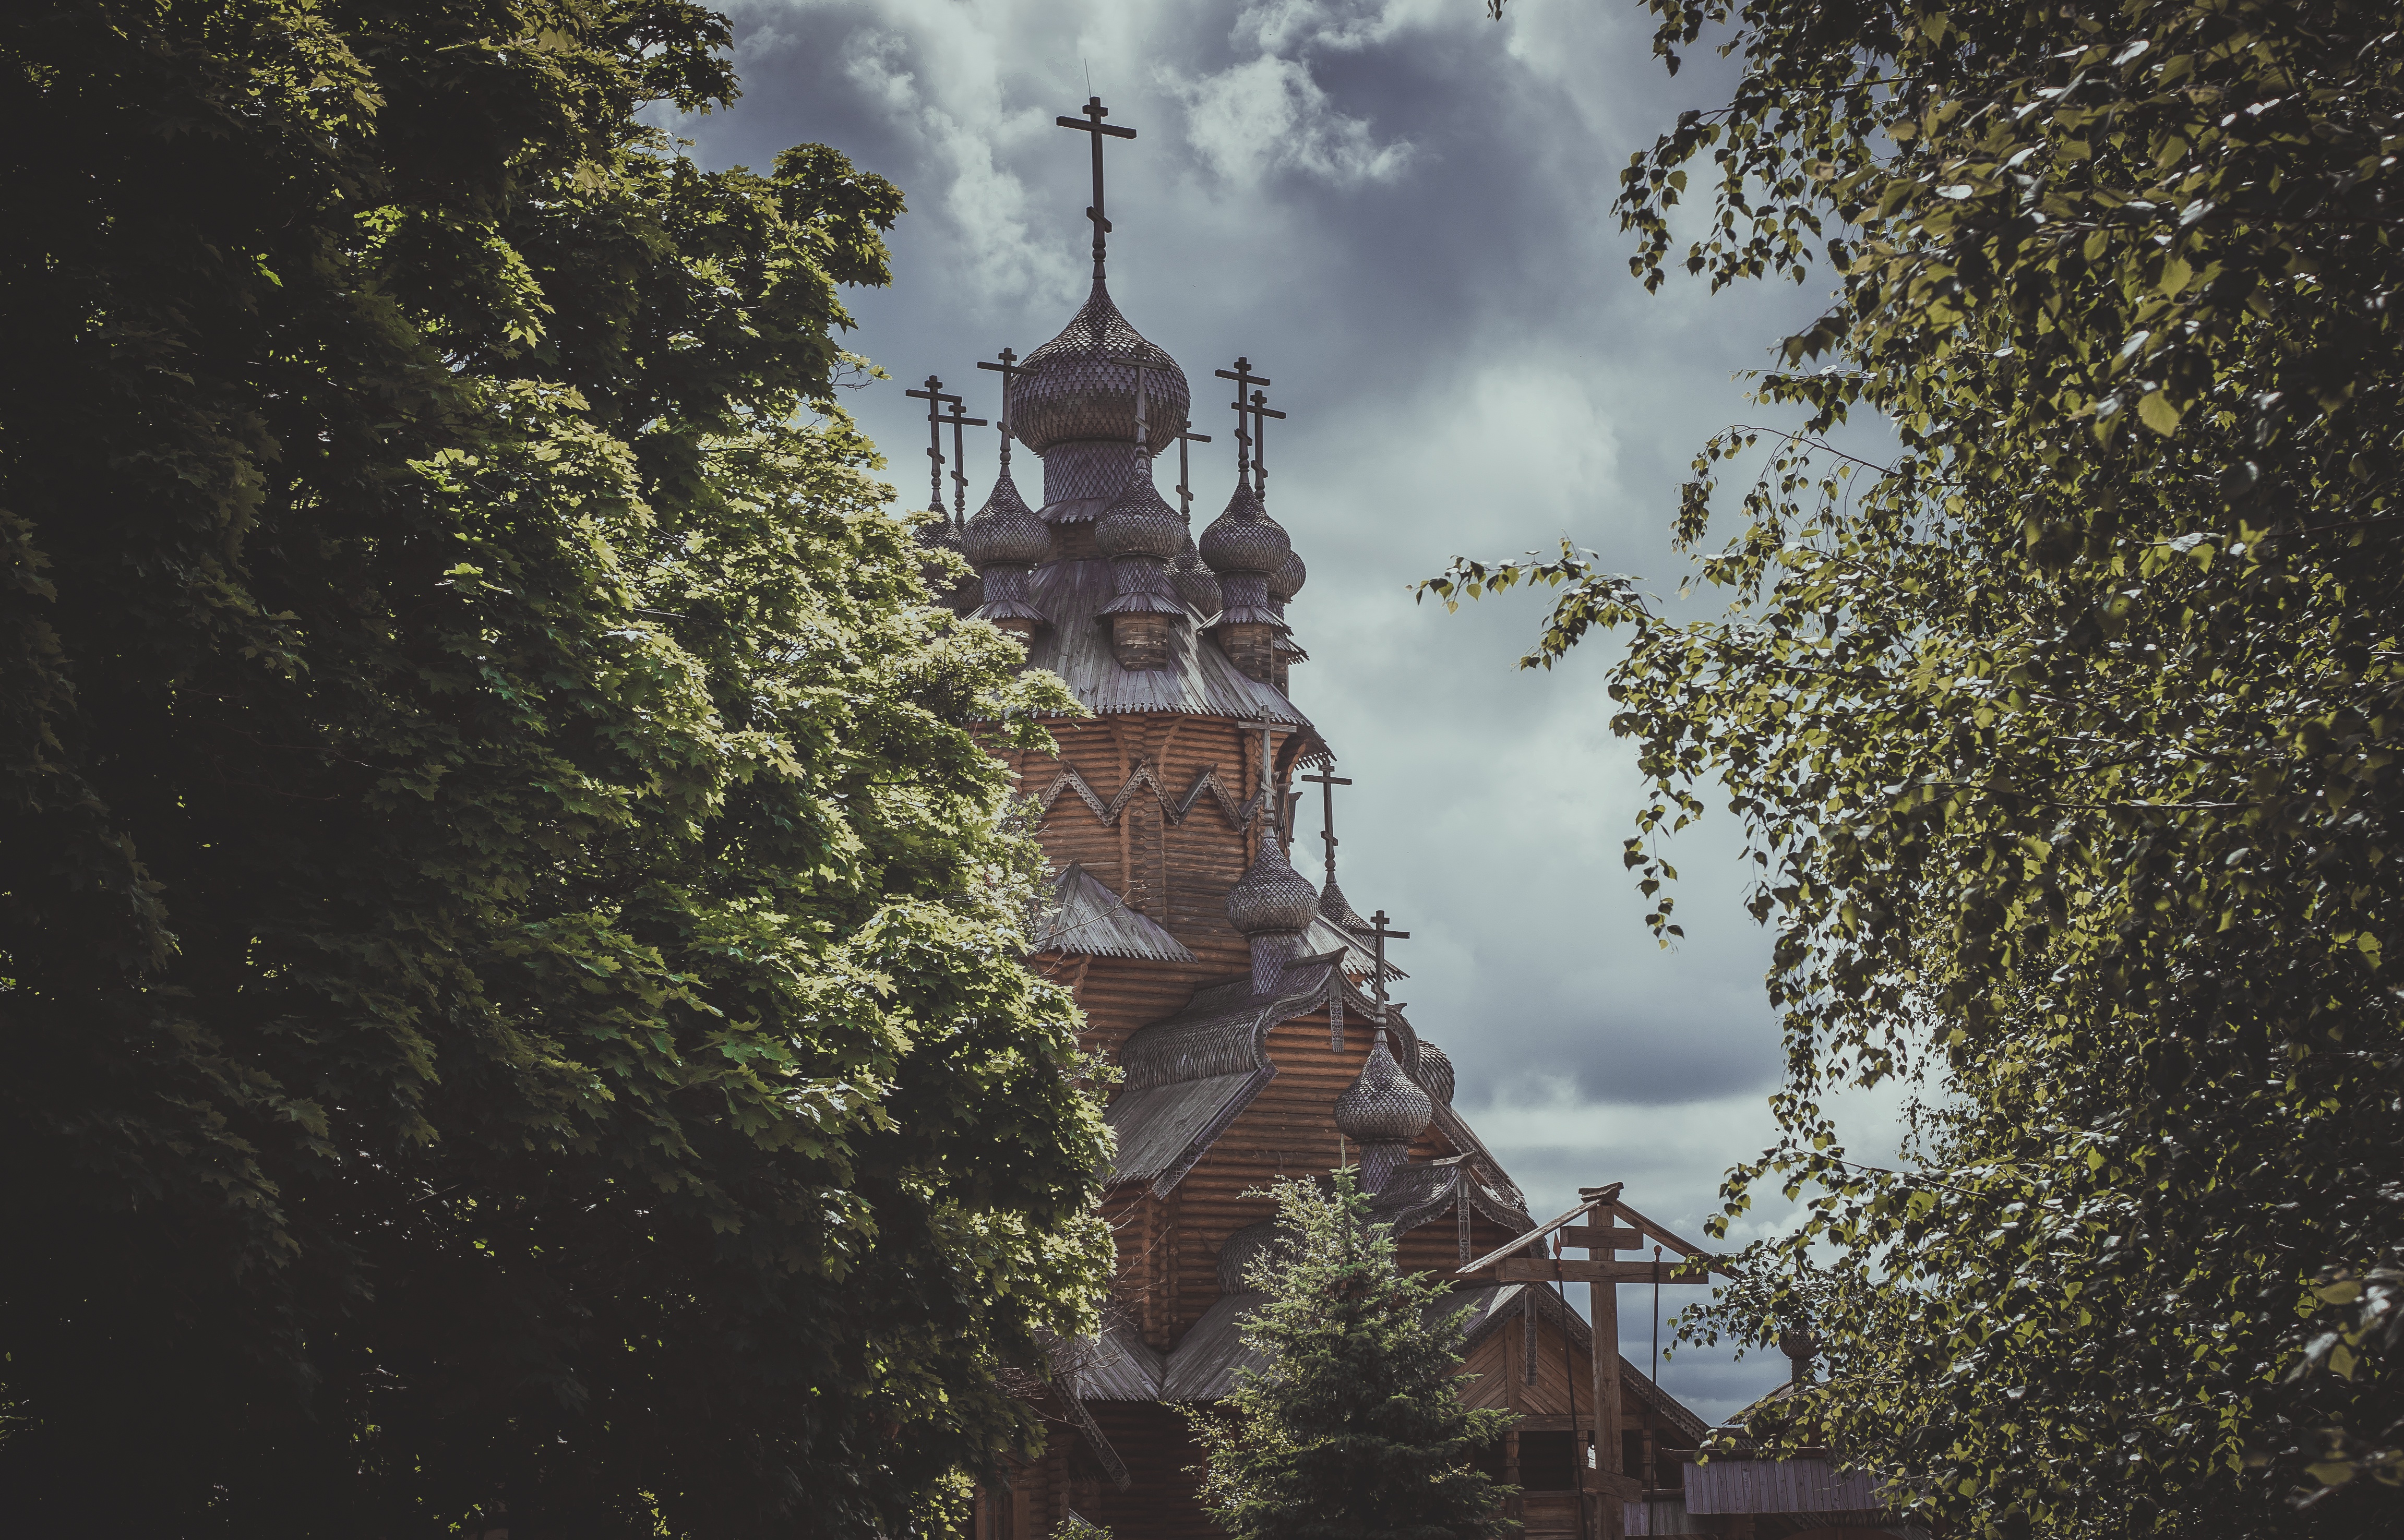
(2065,735)
(507,942)
(1356,1429)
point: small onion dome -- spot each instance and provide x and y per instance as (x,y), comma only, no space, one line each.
(1197,584)
(1288,579)
(1140,524)
(1435,1073)
(1245,539)
(1383,1107)
(1081,385)
(1006,532)
(1271,895)
(941,534)
(1337,910)
(950,592)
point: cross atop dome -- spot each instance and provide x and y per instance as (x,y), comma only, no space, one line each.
(1095,112)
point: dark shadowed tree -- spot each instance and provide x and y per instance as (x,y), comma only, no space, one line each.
(1355,1431)
(2065,726)
(508,978)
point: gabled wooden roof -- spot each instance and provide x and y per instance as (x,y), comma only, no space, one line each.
(1086,919)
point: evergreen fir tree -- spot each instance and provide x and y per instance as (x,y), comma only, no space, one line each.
(1356,1429)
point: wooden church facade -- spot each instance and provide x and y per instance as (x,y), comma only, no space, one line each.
(1244,1004)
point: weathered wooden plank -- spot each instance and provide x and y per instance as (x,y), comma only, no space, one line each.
(1529,1269)
(1610,1238)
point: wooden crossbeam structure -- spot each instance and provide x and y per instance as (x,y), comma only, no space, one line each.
(1611,1226)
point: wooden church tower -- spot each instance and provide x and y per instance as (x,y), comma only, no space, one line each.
(1244,1004)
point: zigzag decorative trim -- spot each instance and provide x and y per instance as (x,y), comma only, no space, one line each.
(1238,814)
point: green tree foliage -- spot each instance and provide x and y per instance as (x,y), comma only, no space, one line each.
(506,937)
(1356,1430)
(2065,736)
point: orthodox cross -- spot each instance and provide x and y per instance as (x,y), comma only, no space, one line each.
(1095,112)
(1142,423)
(1377,930)
(1007,367)
(934,398)
(959,478)
(1245,379)
(1327,785)
(1271,802)
(1184,473)
(1261,444)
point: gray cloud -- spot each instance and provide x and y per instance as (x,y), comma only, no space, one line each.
(1399,212)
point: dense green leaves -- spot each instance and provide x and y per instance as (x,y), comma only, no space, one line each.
(507,937)
(1355,1431)
(2065,736)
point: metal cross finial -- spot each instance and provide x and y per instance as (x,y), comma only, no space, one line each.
(1008,367)
(1245,379)
(1095,112)
(1327,785)
(959,478)
(1377,929)
(1261,444)
(1185,472)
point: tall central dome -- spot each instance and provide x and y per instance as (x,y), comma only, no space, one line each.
(1074,402)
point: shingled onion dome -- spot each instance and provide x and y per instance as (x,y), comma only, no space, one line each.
(1284,584)
(1270,904)
(1197,584)
(1073,402)
(1006,541)
(1435,1073)
(1246,546)
(1337,910)
(1382,1111)
(1141,535)
(958,595)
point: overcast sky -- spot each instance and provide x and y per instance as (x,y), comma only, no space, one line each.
(1399,212)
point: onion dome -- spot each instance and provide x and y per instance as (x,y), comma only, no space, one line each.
(1142,524)
(1263,1241)
(1082,384)
(1141,534)
(1245,540)
(949,592)
(1271,896)
(1288,579)
(1006,532)
(1005,540)
(1383,1112)
(1435,1073)
(1197,584)
(1337,910)
(1383,1104)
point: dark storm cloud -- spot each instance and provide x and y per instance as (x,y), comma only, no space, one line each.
(1399,210)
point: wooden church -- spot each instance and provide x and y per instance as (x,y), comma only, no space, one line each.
(1245,1006)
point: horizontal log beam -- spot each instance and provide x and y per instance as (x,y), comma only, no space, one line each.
(1529,1269)
(1609,1238)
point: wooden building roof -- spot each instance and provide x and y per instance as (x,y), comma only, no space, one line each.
(1088,920)
(1199,680)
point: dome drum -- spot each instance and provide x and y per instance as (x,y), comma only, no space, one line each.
(1081,480)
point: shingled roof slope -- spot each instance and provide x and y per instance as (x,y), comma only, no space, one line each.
(1199,679)
(1086,919)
